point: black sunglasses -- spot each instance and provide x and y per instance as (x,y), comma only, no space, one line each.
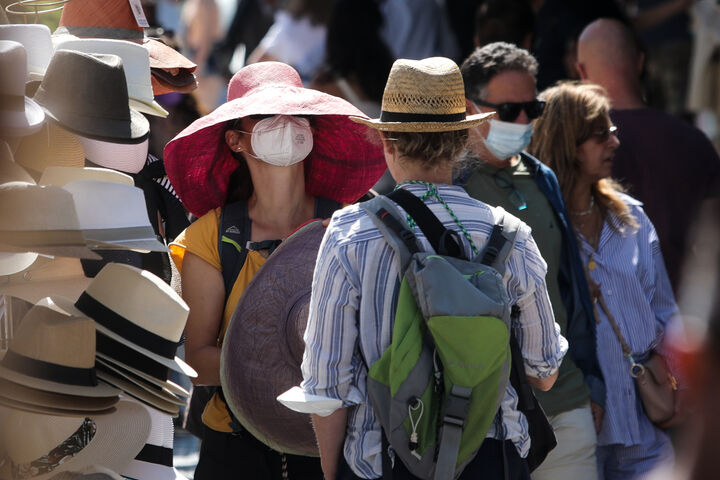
(509,111)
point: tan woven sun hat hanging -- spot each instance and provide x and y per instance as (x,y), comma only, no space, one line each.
(424,96)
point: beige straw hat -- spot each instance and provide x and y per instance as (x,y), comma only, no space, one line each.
(424,96)
(61,276)
(60,176)
(51,146)
(138,393)
(41,399)
(54,351)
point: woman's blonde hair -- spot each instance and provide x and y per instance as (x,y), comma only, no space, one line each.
(573,112)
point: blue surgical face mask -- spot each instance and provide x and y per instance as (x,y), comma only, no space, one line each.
(507,139)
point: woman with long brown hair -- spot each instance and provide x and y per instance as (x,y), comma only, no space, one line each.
(625,270)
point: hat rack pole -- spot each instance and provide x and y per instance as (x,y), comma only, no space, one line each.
(35,8)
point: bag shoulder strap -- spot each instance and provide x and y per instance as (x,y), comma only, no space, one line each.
(501,241)
(233,233)
(325,207)
(444,241)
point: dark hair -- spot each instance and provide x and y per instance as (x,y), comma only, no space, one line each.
(240,185)
(486,62)
(315,10)
(504,21)
(354,46)
(431,148)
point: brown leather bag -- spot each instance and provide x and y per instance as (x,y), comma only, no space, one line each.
(656,385)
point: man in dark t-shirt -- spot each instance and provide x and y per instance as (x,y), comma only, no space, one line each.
(663,161)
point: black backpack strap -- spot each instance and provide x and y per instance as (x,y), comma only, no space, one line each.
(324,207)
(444,241)
(233,235)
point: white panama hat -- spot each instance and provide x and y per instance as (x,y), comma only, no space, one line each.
(19,115)
(37,41)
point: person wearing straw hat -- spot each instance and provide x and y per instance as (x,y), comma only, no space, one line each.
(259,166)
(424,129)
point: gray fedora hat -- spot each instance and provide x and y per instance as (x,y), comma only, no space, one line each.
(263,346)
(87,94)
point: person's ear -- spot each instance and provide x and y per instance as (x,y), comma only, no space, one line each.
(232,138)
(388,145)
(582,71)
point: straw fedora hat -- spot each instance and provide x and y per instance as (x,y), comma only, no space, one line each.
(92,472)
(136,62)
(155,460)
(137,393)
(113,216)
(139,310)
(40,446)
(54,351)
(424,96)
(51,146)
(38,46)
(19,115)
(42,400)
(126,157)
(61,176)
(263,346)
(63,276)
(40,219)
(74,93)
(108,367)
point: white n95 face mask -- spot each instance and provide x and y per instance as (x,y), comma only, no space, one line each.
(282,140)
(506,139)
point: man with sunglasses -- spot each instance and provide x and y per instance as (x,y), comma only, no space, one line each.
(501,77)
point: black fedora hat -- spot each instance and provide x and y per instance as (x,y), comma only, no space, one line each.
(87,94)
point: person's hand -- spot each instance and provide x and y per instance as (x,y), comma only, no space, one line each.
(598,414)
(326,222)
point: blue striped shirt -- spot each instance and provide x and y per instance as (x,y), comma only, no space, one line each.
(631,273)
(354,296)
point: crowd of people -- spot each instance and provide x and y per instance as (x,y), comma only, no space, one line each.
(408,239)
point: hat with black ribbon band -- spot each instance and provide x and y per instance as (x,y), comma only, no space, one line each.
(49,371)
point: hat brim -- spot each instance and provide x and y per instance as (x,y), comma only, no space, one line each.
(48,278)
(263,347)
(99,390)
(11,263)
(120,436)
(21,124)
(469,122)
(149,107)
(112,239)
(174,388)
(160,391)
(140,394)
(136,131)
(142,470)
(20,393)
(61,250)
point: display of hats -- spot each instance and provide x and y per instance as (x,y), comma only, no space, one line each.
(40,219)
(61,176)
(344,163)
(113,216)
(424,96)
(126,157)
(155,460)
(19,115)
(263,346)
(38,46)
(40,446)
(74,93)
(46,277)
(51,146)
(136,62)
(137,392)
(54,351)
(115,19)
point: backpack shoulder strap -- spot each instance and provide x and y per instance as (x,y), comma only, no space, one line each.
(388,219)
(501,242)
(324,207)
(444,241)
(233,234)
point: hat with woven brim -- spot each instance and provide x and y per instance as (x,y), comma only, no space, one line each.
(73,404)
(19,115)
(346,159)
(42,446)
(115,19)
(75,93)
(109,368)
(61,176)
(138,393)
(54,351)
(51,146)
(40,219)
(424,96)
(263,346)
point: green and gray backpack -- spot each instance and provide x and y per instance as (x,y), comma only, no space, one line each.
(438,387)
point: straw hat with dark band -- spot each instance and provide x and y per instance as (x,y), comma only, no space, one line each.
(424,96)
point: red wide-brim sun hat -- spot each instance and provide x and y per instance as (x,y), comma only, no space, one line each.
(345,162)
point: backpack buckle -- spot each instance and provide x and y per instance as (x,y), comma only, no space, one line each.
(458,401)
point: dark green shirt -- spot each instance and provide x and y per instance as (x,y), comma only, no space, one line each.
(512,188)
